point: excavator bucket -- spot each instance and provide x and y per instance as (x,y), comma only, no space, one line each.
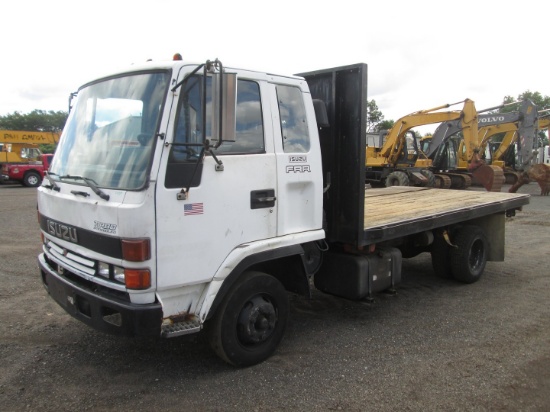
(539,173)
(490,177)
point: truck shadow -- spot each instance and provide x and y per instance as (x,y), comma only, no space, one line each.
(314,325)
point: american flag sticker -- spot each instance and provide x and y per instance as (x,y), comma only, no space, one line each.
(193,209)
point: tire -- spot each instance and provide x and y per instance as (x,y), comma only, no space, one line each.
(430,176)
(250,322)
(397,178)
(441,258)
(469,258)
(32,179)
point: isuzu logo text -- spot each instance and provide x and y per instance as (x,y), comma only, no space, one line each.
(298,168)
(297,159)
(62,231)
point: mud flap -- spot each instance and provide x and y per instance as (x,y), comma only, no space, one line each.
(490,177)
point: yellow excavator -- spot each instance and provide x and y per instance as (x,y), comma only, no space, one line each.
(397,159)
(502,154)
(461,158)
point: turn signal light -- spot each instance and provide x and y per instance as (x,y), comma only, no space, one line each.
(137,278)
(136,250)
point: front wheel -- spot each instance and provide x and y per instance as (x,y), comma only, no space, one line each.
(469,257)
(250,322)
(31,179)
(397,178)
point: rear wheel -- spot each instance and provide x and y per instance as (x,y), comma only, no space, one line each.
(251,320)
(469,258)
(397,178)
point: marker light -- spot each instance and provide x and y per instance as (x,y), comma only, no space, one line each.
(136,250)
(137,278)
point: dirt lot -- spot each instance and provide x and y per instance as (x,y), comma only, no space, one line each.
(437,345)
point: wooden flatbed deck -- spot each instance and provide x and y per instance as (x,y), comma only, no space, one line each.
(398,211)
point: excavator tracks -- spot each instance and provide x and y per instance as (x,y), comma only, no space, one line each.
(448,180)
(442,181)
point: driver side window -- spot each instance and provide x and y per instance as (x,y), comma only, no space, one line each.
(189,136)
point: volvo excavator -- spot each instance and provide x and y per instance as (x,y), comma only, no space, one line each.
(461,158)
(397,160)
(510,126)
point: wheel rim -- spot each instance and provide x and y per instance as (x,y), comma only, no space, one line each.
(476,255)
(257,320)
(32,180)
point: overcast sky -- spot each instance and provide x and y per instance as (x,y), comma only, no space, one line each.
(421,54)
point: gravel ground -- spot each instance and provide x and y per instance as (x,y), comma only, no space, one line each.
(435,346)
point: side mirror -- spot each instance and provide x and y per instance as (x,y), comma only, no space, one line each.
(224,107)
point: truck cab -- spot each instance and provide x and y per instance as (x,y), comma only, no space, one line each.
(162,206)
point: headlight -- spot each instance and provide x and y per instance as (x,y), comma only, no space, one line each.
(111,272)
(104,270)
(118,273)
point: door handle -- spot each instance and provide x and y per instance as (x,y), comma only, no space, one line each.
(266,199)
(262,198)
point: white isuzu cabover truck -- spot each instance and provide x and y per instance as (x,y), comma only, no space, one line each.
(185,197)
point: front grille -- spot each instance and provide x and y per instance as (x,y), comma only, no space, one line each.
(80,269)
(71,261)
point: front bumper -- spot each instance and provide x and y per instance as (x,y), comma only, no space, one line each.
(99,310)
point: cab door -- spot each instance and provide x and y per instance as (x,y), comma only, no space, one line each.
(299,186)
(229,204)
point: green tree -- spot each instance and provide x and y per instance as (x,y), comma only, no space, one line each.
(374,116)
(37,120)
(542,102)
(385,125)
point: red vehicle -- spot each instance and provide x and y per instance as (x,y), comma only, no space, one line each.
(28,174)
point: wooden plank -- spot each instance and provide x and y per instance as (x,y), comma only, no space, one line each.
(401,204)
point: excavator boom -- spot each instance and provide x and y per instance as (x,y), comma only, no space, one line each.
(18,146)
(539,172)
(20,136)
(394,141)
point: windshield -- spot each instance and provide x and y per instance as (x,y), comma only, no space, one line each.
(109,136)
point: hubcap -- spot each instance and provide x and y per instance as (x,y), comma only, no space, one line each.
(476,255)
(257,320)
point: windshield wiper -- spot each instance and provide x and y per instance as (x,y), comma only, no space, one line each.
(52,185)
(90,183)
